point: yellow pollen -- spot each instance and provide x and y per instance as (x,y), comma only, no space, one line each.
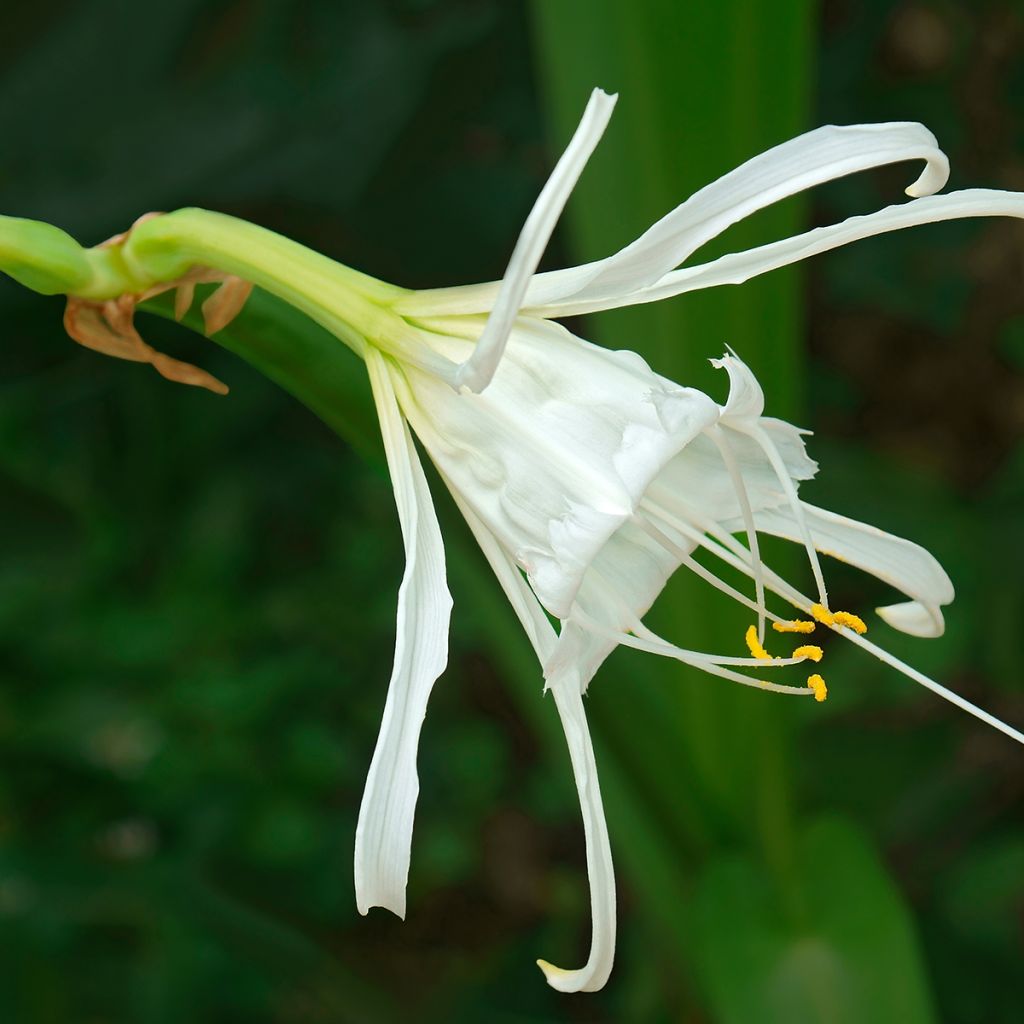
(851,621)
(822,614)
(796,626)
(848,619)
(755,645)
(809,651)
(818,687)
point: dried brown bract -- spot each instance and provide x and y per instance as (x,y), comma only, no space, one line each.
(108,326)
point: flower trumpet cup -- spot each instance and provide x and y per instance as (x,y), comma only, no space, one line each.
(587,478)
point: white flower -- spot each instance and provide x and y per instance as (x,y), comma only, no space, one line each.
(588,479)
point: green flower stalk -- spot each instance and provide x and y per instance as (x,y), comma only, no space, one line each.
(586,477)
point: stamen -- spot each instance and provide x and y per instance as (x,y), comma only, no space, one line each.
(851,621)
(795,626)
(726,547)
(817,686)
(718,542)
(729,459)
(687,559)
(937,688)
(712,665)
(822,614)
(811,651)
(848,619)
(786,482)
(755,645)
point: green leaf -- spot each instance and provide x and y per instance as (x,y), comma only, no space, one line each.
(679,125)
(843,951)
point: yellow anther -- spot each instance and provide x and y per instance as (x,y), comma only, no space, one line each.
(818,687)
(796,626)
(755,645)
(851,621)
(822,614)
(848,619)
(809,651)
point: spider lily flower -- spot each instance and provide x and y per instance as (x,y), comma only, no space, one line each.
(587,478)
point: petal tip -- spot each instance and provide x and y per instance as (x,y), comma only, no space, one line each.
(914,618)
(559,978)
(396,906)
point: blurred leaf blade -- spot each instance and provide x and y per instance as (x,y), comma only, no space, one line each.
(849,955)
(676,129)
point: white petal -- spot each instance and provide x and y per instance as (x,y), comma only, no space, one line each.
(477,371)
(593,975)
(384,829)
(901,563)
(742,266)
(566,687)
(801,163)
(914,618)
(746,399)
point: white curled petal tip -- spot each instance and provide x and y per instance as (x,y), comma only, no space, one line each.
(935,173)
(476,373)
(914,618)
(563,980)
(746,398)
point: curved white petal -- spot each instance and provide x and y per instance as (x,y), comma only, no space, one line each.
(810,159)
(914,618)
(746,397)
(384,829)
(801,163)
(736,268)
(565,688)
(477,371)
(901,563)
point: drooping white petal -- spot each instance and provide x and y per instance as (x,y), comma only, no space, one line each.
(477,371)
(901,563)
(384,828)
(813,158)
(565,688)
(736,268)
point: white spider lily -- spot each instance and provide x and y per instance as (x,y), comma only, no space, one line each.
(588,479)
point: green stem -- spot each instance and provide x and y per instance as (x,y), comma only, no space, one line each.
(352,306)
(42,257)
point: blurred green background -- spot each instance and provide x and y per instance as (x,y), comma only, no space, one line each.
(197,594)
